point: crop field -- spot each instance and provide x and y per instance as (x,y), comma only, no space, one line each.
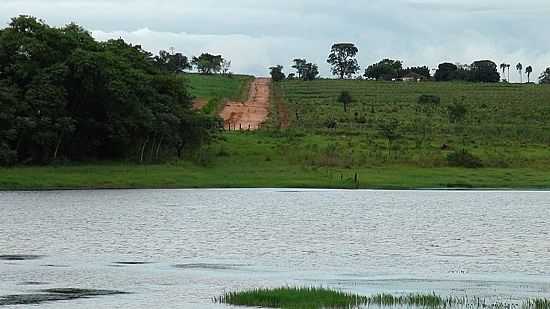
(503,125)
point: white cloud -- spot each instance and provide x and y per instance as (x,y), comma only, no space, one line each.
(256,34)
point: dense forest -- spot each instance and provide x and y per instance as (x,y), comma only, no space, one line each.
(65,96)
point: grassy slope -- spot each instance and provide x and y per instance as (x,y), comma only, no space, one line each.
(217,86)
(315,157)
(506,125)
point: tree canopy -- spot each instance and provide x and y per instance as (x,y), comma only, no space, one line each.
(545,77)
(208,63)
(343,60)
(277,73)
(386,69)
(64,95)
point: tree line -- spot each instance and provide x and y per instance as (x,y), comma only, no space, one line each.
(343,62)
(66,96)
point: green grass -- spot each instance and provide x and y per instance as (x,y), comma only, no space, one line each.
(321,298)
(252,160)
(506,125)
(209,87)
(293,298)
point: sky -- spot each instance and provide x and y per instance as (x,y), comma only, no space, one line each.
(256,34)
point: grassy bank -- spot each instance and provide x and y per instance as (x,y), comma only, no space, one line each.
(249,160)
(207,87)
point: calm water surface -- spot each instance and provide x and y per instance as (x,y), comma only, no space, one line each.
(196,244)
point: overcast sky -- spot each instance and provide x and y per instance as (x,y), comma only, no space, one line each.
(255,34)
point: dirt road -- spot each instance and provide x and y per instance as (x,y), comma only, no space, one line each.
(251,114)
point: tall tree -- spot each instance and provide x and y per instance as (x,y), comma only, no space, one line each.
(446,72)
(345,98)
(519,67)
(343,60)
(484,71)
(545,77)
(310,71)
(299,65)
(386,69)
(503,68)
(277,74)
(208,63)
(528,71)
(508,68)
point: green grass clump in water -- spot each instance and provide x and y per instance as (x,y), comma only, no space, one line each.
(293,298)
(537,303)
(313,298)
(426,300)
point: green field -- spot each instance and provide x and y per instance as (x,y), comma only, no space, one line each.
(218,86)
(251,160)
(506,127)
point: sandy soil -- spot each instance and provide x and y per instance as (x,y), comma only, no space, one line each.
(251,114)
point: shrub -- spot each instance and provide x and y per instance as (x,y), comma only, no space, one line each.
(463,158)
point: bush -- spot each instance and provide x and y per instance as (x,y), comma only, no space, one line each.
(463,158)
(8,157)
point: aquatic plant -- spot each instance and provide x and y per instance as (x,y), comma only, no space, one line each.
(537,303)
(293,298)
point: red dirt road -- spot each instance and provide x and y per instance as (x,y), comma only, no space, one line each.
(251,114)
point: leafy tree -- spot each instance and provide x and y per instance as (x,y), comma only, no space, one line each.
(299,66)
(484,71)
(446,72)
(385,69)
(208,63)
(65,95)
(545,77)
(226,66)
(277,74)
(528,71)
(389,129)
(345,98)
(343,60)
(310,71)
(175,63)
(503,67)
(423,71)
(519,67)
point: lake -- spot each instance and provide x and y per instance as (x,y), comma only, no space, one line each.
(181,248)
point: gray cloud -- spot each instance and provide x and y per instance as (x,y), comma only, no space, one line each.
(256,34)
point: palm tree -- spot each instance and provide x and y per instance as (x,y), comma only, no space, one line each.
(529,70)
(508,67)
(519,67)
(503,68)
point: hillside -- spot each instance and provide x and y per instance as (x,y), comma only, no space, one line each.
(504,125)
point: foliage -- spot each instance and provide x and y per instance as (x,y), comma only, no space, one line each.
(293,298)
(457,111)
(423,71)
(386,69)
(528,71)
(545,77)
(446,72)
(484,71)
(428,103)
(345,98)
(66,95)
(208,63)
(479,71)
(277,74)
(343,60)
(174,63)
(463,158)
